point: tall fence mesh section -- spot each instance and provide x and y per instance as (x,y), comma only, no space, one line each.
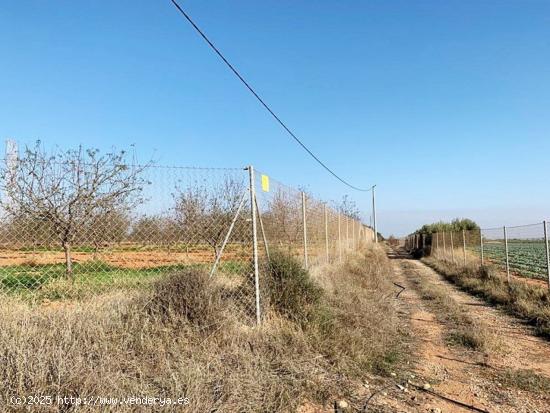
(180,222)
(526,250)
(185,219)
(494,247)
(522,250)
(304,227)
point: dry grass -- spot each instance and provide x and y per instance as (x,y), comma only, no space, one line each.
(185,341)
(523,300)
(527,380)
(463,330)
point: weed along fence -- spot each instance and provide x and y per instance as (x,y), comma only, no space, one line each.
(521,251)
(225,222)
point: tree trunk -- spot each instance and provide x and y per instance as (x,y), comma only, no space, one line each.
(68,259)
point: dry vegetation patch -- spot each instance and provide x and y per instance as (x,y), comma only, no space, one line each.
(527,301)
(183,339)
(463,330)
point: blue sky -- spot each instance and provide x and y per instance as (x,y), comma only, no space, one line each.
(444,105)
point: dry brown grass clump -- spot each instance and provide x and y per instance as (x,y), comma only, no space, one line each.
(524,300)
(362,332)
(187,296)
(463,329)
(185,340)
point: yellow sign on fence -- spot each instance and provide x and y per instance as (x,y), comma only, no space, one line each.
(265,183)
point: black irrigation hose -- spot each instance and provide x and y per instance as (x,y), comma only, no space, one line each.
(402,289)
(431,392)
(448,399)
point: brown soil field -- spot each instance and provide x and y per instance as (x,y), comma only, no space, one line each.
(122,259)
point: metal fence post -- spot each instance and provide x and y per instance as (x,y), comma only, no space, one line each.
(547,251)
(353,234)
(464,245)
(481,246)
(339,239)
(374,214)
(255,242)
(326,232)
(347,233)
(305,228)
(444,247)
(507,258)
(452,249)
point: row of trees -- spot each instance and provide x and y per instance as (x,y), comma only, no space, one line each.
(83,197)
(457,224)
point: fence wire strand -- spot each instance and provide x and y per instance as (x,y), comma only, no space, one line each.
(186,218)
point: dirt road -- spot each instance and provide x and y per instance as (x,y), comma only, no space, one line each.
(508,369)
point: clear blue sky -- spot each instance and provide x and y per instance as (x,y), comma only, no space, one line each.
(444,104)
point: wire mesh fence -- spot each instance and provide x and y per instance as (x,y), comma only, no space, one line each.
(57,243)
(520,251)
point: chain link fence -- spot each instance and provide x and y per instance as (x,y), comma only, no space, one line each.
(521,251)
(224,222)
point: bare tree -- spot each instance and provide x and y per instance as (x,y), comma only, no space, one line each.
(349,208)
(69,190)
(283,219)
(111,226)
(204,213)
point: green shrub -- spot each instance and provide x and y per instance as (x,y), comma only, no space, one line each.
(291,291)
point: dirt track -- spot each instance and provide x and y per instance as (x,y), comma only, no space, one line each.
(468,376)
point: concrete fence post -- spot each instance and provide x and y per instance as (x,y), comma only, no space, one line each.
(255,242)
(507,257)
(304,223)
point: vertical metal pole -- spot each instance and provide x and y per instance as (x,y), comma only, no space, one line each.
(481,246)
(326,233)
(266,246)
(347,233)
(353,234)
(464,245)
(255,242)
(304,223)
(452,248)
(507,258)
(339,238)
(444,247)
(374,213)
(547,251)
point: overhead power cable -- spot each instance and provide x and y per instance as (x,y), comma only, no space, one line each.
(262,102)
